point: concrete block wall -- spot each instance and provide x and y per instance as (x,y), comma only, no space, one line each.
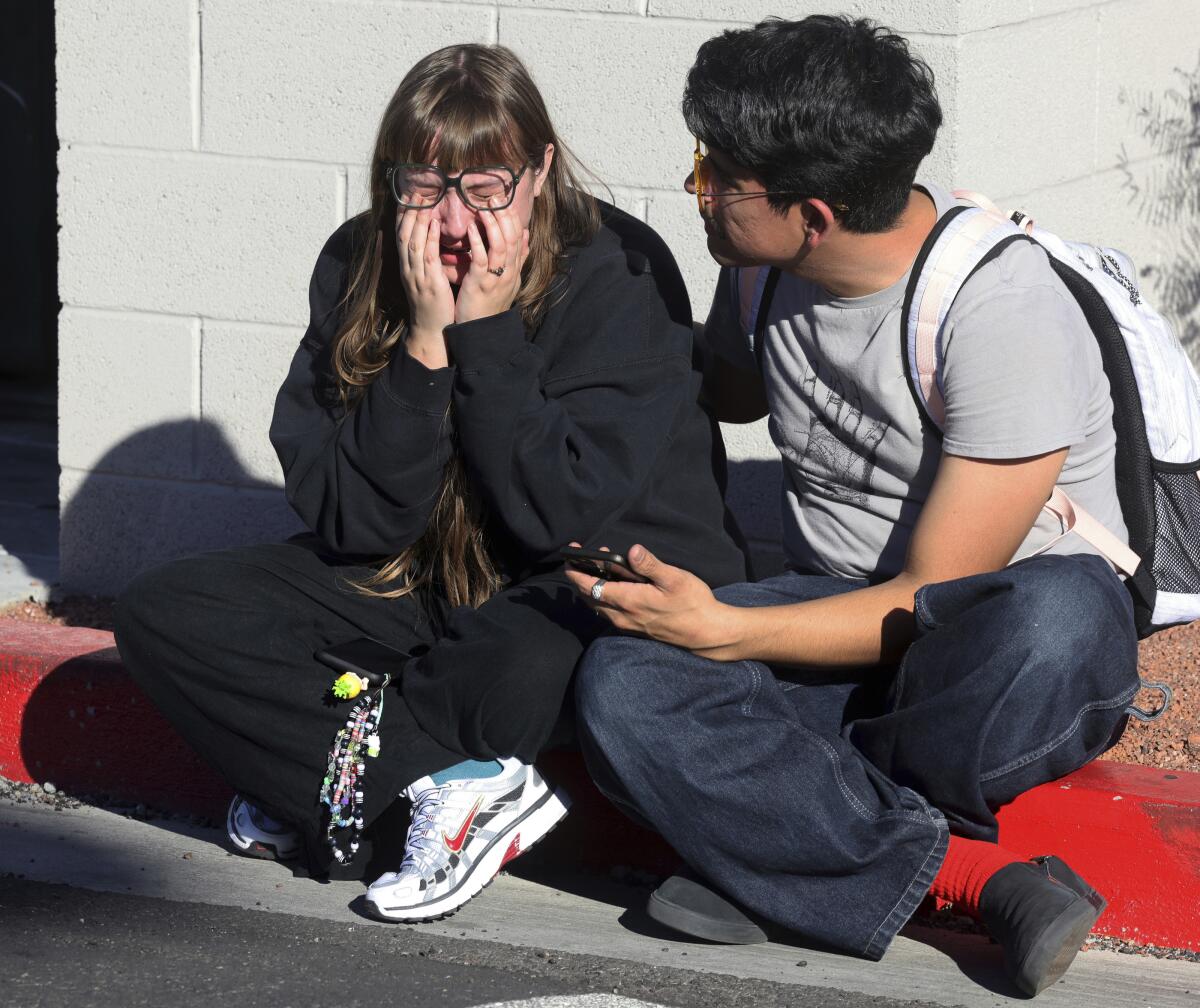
(208,147)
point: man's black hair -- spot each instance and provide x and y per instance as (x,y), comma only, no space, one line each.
(827,107)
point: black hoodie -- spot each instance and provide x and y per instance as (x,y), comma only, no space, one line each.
(586,429)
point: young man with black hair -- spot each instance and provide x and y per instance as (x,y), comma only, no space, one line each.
(826,747)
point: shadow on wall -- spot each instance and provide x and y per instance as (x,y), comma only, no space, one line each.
(1166,194)
(115,524)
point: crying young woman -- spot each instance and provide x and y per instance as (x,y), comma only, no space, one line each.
(497,363)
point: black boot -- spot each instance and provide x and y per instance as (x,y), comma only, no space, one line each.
(1040,912)
(685,902)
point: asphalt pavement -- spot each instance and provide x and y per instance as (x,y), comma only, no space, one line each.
(97,908)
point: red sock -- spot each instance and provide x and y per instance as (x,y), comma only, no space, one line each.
(966,870)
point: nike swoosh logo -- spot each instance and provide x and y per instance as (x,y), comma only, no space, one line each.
(455,842)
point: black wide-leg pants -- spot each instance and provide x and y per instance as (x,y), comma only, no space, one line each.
(223,643)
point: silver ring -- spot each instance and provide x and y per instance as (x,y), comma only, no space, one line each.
(498,271)
(598,589)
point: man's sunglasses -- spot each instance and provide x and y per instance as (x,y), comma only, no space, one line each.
(700,184)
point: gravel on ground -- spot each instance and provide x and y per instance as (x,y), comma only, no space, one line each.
(1173,742)
(74,610)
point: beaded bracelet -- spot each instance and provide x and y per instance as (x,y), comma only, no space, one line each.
(342,788)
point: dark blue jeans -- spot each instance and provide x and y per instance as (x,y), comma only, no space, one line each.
(823,800)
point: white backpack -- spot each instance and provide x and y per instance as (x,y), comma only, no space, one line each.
(1155,392)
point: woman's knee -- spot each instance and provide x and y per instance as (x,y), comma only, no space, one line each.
(150,594)
(173,593)
(531,664)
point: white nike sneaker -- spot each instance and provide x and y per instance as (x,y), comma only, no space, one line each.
(255,834)
(462,833)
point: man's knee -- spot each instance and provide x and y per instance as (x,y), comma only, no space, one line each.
(1067,612)
(1081,587)
(625,720)
(1075,614)
(608,686)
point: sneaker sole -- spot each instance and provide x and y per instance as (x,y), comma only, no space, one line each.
(536,821)
(1057,947)
(700,926)
(255,848)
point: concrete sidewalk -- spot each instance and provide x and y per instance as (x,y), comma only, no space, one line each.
(94,849)
(70,714)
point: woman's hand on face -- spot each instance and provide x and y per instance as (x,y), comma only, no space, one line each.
(430,299)
(483,293)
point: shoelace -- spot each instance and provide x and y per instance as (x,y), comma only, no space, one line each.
(265,823)
(423,849)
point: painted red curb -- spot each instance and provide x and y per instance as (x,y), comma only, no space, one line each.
(70,714)
(1134,833)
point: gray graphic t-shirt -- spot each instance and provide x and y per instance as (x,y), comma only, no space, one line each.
(1022,376)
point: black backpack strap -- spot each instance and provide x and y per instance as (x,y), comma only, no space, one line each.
(1134,460)
(760,320)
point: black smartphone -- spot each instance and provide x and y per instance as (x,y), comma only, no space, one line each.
(366,657)
(591,561)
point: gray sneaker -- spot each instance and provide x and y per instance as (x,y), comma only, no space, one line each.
(688,903)
(256,834)
(1040,912)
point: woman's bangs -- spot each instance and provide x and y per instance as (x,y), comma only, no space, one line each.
(462,133)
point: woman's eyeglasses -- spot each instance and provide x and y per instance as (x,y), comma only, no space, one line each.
(481,187)
(700,183)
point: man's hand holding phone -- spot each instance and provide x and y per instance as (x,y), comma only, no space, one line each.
(599,563)
(643,595)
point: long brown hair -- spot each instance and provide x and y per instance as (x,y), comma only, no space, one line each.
(464,104)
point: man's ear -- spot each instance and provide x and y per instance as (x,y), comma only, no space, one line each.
(819,221)
(543,170)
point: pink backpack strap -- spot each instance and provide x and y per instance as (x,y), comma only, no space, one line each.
(1076,519)
(977,199)
(962,244)
(1021,219)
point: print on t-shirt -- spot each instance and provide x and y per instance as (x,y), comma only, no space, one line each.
(858,462)
(840,444)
